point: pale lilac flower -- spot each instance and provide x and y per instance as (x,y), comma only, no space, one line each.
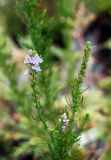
(34,62)
(63,129)
(28,60)
(26,72)
(30,51)
(36,68)
(64,116)
(64,121)
(36,59)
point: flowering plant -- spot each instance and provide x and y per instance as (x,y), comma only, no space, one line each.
(62,136)
(33,61)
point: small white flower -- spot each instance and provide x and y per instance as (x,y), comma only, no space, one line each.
(63,129)
(30,51)
(36,68)
(26,72)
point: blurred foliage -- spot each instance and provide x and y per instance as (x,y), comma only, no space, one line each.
(11,20)
(51,37)
(41,29)
(105,84)
(77,153)
(98,5)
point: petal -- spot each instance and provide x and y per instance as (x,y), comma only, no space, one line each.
(26,72)
(36,68)
(30,51)
(37,59)
(28,60)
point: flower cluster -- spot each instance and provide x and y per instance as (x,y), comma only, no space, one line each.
(33,62)
(64,122)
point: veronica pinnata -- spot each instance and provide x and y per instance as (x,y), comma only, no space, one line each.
(33,61)
(64,122)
